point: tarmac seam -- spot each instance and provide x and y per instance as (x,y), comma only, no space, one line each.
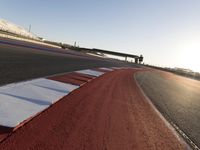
(188,140)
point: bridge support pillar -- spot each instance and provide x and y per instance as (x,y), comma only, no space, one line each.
(136,60)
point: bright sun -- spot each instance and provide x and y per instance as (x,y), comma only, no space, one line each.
(190,55)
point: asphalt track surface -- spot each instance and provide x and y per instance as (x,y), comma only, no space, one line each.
(119,119)
(21,61)
(177,98)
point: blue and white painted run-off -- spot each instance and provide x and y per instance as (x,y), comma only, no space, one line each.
(20,101)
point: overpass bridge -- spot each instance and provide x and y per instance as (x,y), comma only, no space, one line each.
(138,59)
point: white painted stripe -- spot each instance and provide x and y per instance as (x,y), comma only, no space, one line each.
(90,72)
(23,100)
(116,67)
(122,68)
(56,85)
(109,69)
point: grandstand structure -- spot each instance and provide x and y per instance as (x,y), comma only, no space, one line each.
(13,29)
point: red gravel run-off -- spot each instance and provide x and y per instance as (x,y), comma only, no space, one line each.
(108,113)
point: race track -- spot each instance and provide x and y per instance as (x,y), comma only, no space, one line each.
(107,113)
(19,63)
(96,108)
(177,98)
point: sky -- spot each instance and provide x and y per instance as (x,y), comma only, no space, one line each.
(165,32)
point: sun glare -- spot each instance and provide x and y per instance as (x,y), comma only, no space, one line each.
(190,55)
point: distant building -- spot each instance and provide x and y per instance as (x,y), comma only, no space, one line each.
(183,69)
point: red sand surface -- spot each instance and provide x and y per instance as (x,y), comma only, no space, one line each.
(108,113)
(4,131)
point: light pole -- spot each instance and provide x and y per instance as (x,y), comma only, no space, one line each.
(29,29)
